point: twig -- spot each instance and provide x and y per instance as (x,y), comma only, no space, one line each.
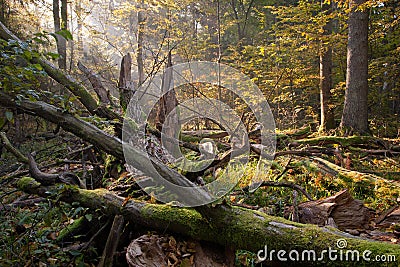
(80,150)
(284,184)
(246,206)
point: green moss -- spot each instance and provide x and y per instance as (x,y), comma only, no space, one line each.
(189,138)
(185,218)
(27,183)
(99,199)
(71,229)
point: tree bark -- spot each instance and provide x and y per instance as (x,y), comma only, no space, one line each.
(125,81)
(325,85)
(355,111)
(139,55)
(224,225)
(60,24)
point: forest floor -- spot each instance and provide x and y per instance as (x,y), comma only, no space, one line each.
(49,232)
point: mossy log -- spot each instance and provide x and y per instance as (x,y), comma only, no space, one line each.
(341,172)
(70,230)
(222,224)
(343,141)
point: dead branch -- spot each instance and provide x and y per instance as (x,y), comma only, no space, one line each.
(51,179)
(112,242)
(12,149)
(284,184)
(97,85)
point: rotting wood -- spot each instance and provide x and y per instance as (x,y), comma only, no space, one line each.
(107,258)
(347,213)
(125,81)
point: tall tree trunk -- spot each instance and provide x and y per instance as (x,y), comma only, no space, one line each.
(60,24)
(355,111)
(325,84)
(139,56)
(56,15)
(3,8)
(71,42)
(64,26)
(79,13)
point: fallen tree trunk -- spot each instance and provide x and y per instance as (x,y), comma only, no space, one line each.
(224,225)
(343,141)
(336,170)
(213,134)
(110,144)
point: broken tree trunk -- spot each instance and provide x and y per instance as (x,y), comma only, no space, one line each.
(224,225)
(125,82)
(167,119)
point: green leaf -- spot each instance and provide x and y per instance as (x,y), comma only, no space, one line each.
(9,116)
(74,252)
(77,210)
(66,34)
(89,217)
